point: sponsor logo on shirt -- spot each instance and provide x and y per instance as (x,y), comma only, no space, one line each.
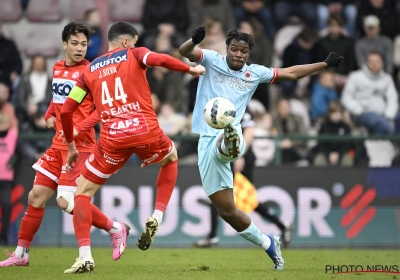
(233,82)
(61,89)
(104,61)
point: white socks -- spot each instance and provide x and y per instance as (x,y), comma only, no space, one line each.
(22,252)
(84,252)
(266,243)
(159,214)
(116,228)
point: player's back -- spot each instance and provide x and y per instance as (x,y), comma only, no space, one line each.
(64,79)
(117,81)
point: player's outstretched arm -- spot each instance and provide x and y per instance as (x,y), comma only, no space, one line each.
(300,71)
(171,63)
(88,123)
(188,50)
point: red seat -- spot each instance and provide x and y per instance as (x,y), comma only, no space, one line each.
(42,41)
(10,10)
(126,10)
(44,10)
(79,7)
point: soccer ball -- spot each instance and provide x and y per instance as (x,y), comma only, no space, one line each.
(219,112)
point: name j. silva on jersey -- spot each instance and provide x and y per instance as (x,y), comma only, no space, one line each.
(108,71)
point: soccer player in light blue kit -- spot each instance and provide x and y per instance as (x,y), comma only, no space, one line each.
(229,77)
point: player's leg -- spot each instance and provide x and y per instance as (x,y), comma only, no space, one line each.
(65,199)
(95,173)
(217,180)
(165,183)
(48,169)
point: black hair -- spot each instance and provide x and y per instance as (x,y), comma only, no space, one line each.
(308,34)
(233,34)
(121,28)
(377,53)
(88,12)
(74,28)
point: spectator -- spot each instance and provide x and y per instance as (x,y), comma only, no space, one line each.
(215,36)
(385,10)
(34,90)
(335,41)
(244,9)
(333,152)
(322,93)
(6,107)
(373,41)
(166,84)
(10,61)
(264,148)
(220,9)
(297,53)
(8,143)
(288,124)
(171,122)
(169,18)
(346,8)
(305,9)
(33,150)
(371,98)
(92,18)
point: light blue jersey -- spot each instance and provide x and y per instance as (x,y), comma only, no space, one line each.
(220,81)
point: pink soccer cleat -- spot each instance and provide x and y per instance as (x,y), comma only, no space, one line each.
(13,260)
(118,241)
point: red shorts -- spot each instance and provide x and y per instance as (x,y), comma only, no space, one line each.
(106,161)
(51,172)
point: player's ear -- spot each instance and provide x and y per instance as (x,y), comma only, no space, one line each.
(64,45)
(125,42)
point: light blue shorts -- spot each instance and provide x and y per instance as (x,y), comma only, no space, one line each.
(215,169)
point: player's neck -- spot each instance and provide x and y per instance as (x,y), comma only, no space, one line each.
(70,62)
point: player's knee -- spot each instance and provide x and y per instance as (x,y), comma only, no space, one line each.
(65,200)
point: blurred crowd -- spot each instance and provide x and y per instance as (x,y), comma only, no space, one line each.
(359,98)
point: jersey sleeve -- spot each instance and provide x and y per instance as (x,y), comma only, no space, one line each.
(51,112)
(88,123)
(206,57)
(80,90)
(141,55)
(267,75)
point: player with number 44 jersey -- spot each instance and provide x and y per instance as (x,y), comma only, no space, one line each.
(117,83)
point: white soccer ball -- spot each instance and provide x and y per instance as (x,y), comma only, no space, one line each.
(219,112)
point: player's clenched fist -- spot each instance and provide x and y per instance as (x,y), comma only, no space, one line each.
(198,34)
(333,60)
(196,71)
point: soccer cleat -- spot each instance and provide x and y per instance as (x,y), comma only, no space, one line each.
(13,260)
(231,141)
(147,237)
(287,234)
(274,252)
(118,241)
(81,266)
(206,242)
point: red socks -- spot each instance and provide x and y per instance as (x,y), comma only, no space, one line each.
(165,184)
(30,224)
(99,220)
(82,219)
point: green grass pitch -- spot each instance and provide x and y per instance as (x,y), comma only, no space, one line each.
(216,263)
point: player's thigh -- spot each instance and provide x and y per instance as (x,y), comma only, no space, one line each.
(101,164)
(48,169)
(216,175)
(161,151)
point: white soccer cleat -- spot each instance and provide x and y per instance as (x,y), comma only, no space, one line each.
(147,237)
(81,266)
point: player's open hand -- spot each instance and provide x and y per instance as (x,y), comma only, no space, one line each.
(333,60)
(72,156)
(51,123)
(198,34)
(61,135)
(196,71)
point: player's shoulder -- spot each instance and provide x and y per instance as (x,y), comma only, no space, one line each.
(258,69)
(211,53)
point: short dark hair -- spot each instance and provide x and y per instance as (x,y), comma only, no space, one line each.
(121,28)
(74,28)
(336,18)
(308,34)
(87,13)
(233,34)
(376,53)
